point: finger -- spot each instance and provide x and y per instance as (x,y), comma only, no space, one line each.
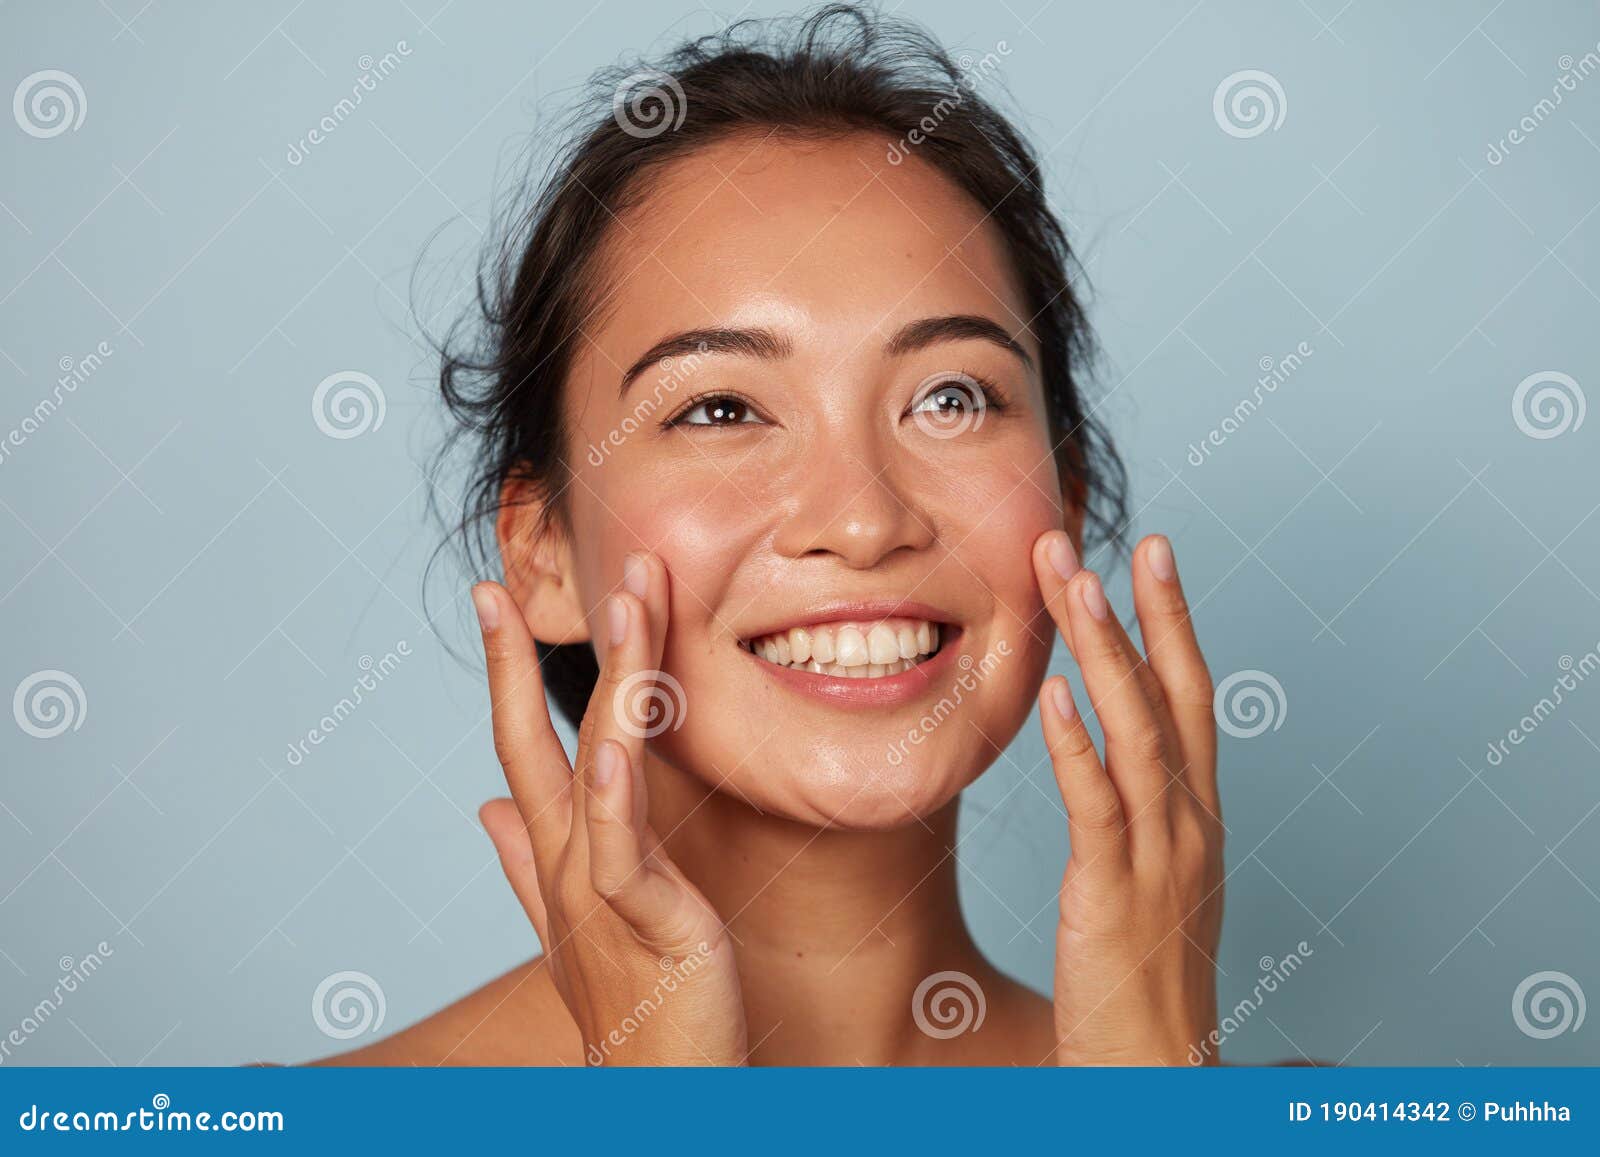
(1055,561)
(1127,704)
(618,868)
(627,705)
(1096,824)
(1173,653)
(1127,699)
(503,822)
(530,752)
(645,575)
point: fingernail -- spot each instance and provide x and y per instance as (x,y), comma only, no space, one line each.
(1061,697)
(1158,556)
(1094,598)
(617,611)
(1063,559)
(488,610)
(606,759)
(635,575)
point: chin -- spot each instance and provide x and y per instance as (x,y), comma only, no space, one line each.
(872,785)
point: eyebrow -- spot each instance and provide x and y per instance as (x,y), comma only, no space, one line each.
(768,346)
(754,343)
(929,331)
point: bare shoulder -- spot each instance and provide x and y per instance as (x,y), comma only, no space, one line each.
(515,1019)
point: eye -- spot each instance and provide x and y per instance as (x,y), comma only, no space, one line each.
(952,403)
(716,410)
(950,398)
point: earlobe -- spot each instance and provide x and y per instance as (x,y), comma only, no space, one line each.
(536,556)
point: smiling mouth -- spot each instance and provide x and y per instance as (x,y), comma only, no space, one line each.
(850,649)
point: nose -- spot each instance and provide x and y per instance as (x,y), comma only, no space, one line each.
(856,503)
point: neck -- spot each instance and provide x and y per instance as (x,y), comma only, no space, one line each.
(833,930)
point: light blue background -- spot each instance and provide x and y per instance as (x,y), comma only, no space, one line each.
(1380,536)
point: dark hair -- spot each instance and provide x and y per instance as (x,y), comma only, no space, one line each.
(841,69)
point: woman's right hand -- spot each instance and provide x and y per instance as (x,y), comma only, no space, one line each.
(643,963)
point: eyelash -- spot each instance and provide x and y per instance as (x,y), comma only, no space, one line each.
(994,398)
(695,401)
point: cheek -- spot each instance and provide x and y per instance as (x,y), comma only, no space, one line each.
(1011,509)
(697,522)
(1008,507)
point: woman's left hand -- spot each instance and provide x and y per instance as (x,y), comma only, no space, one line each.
(1141,901)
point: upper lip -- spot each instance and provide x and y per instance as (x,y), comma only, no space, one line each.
(855,611)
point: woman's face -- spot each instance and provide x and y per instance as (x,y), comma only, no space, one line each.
(846,519)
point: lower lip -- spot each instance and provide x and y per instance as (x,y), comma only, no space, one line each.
(884,691)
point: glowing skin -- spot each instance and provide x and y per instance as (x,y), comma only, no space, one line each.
(793,830)
(833,494)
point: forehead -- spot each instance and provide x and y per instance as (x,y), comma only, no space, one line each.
(826,238)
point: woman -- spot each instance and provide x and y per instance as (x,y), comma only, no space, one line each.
(778,420)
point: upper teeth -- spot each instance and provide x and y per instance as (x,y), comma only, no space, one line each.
(854,650)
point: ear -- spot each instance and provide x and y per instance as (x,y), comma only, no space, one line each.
(536,555)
